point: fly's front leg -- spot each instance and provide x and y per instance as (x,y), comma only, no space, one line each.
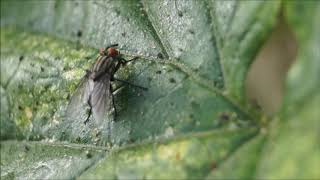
(89,113)
(124,61)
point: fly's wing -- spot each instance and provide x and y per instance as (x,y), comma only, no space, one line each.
(76,110)
(101,98)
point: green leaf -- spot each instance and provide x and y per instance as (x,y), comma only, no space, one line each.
(194,120)
(38,160)
(237,166)
(188,157)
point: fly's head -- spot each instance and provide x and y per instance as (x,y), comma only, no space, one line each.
(110,51)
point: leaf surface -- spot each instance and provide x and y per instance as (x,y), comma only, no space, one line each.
(193,122)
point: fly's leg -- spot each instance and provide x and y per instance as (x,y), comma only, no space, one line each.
(117,89)
(130,84)
(89,115)
(124,61)
(111,45)
(89,112)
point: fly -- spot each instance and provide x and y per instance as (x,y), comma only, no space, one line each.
(95,89)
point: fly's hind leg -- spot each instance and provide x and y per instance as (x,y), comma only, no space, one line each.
(129,83)
(89,115)
(115,91)
(89,112)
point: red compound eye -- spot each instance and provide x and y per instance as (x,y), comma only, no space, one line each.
(113,52)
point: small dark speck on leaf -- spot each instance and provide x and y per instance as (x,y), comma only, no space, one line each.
(117,11)
(68,96)
(191,31)
(224,116)
(32,64)
(78,139)
(180,14)
(215,83)
(79,33)
(46,87)
(172,80)
(42,69)
(88,155)
(159,72)
(26,148)
(160,56)
(98,134)
(20,108)
(123,34)
(130,140)
(256,104)
(213,165)
(21,58)
(88,57)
